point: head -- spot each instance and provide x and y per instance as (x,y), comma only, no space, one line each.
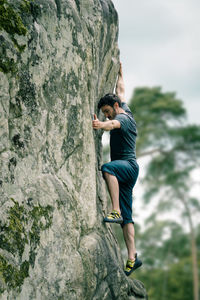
(109,105)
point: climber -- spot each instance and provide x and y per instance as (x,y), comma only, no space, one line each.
(121,173)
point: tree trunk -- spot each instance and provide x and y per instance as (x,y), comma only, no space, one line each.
(193,250)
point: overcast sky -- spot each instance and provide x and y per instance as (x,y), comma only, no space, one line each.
(159,43)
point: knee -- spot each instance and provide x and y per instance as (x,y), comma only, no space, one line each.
(103,170)
(107,171)
(129,228)
(106,174)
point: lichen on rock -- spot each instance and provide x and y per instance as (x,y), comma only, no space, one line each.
(12,24)
(58,57)
(22,229)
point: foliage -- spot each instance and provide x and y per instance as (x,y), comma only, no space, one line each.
(15,18)
(166,257)
(174,283)
(155,113)
(173,147)
(10,20)
(24,227)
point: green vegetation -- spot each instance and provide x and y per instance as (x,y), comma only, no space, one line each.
(156,114)
(24,227)
(8,65)
(12,23)
(169,250)
(173,148)
(10,20)
(12,276)
(167,263)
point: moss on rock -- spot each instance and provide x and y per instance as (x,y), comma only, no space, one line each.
(10,20)
(24,227)
(7,65)
(12,276)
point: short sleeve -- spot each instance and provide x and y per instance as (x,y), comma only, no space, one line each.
(123,121)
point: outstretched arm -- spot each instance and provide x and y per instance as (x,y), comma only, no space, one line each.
(120,87)
(107,125)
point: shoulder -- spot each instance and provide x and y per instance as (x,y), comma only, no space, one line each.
(123,119)
(127,122)
(126,109)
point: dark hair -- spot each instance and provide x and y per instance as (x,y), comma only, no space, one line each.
(109,99)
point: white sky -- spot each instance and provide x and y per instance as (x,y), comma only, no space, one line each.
(159,42)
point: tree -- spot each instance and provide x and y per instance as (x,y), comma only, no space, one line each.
(174,147)
(165,251)
(155,112)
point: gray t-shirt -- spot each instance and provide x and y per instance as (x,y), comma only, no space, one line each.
(122,140)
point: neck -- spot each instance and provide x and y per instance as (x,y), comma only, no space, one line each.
(120,110)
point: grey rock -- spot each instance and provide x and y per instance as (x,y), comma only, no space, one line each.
(57,59)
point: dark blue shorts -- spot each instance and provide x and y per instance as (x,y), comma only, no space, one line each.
(126,173)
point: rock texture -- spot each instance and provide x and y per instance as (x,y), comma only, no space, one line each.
(57,58)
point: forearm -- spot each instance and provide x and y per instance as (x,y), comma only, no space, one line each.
(108,125)
(120,90)
(120,87)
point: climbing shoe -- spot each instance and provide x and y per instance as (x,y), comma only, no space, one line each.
(132,265)
(113,217)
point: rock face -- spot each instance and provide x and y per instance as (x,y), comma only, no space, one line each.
(58,57)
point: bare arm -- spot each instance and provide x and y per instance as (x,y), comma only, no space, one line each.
(120,87)
(107,125)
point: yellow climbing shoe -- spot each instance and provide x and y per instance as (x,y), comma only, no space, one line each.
(132,265)
(114,217)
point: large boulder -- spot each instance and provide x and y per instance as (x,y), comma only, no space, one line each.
(57,58)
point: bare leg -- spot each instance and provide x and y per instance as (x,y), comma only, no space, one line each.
(120,88)
(113,188)
(129,233)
